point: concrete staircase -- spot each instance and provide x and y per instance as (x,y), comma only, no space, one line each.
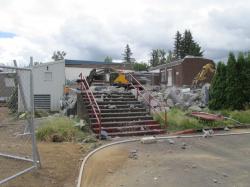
(122,115)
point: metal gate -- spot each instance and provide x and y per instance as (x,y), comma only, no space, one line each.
(18,150)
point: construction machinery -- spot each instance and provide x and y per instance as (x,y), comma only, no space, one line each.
(204,76)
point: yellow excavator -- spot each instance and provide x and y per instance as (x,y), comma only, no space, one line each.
(204,76)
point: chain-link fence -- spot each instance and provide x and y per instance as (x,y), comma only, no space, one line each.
(18,151)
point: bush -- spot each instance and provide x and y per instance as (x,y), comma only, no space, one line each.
(59,129)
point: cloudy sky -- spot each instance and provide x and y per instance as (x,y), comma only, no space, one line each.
(91,29)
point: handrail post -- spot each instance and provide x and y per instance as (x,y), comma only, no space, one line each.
(137,93)
(165,116)
(149,99)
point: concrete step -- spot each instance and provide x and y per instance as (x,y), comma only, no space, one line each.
(128,118)
(137,133)
(121,114)
(125,123)
(122,110)
(112,93)
(118,102)
(127,107)
(111,99)
(128,128)
(115,96)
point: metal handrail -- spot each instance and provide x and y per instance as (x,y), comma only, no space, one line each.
(149,99)
(92,101)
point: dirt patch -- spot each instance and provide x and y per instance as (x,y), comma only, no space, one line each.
(60,161)
(216,161)
(106,162)
(60,167)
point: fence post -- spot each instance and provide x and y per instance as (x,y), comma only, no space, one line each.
(35,154)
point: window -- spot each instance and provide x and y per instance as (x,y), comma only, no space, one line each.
(48,76)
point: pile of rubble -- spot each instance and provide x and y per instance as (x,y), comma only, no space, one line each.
(184,98)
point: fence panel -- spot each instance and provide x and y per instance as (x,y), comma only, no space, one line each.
(18,151)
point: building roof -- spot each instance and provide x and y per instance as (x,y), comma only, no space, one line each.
(82,62)
(174,63)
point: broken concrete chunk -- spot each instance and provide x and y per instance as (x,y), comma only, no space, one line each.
(148,140)
(171,141)
(133,154)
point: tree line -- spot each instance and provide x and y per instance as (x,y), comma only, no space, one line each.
(184,45)
(230,87)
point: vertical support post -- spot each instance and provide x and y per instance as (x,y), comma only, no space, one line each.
(137,93)
(149,100)
(32,129)
(165,116)
(81,81)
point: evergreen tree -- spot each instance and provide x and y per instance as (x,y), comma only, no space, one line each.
(108,59)
(162,56)
(155,59)
(177,45)
(234,90)
(170,57)
(185,45)
(127,54)
(217,99)
(247,78)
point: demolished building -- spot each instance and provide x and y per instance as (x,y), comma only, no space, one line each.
(181,72)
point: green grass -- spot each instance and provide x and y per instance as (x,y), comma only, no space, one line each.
(59,129)
(180,120)
(241,116)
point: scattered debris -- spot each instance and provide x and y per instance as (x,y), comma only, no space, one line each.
(225,175)
(131,106)
(104,135)
(148,140)
(133,154)
(171,141)
(110,171)
(194,166)
(90,139)
(111,106)
(207,133)
(81,124)
(215,180)
(184,145)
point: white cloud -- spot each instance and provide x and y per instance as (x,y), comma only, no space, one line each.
(95,29)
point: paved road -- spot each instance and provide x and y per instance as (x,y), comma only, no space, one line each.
(216,161)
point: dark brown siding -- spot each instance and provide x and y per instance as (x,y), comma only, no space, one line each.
(177,75)
(191,67)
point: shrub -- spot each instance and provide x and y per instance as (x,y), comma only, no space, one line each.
(59,129)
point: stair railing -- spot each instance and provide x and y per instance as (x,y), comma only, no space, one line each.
(95,109)
(149,99)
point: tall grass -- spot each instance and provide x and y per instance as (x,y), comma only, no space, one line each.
(59,129)
(180,120)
